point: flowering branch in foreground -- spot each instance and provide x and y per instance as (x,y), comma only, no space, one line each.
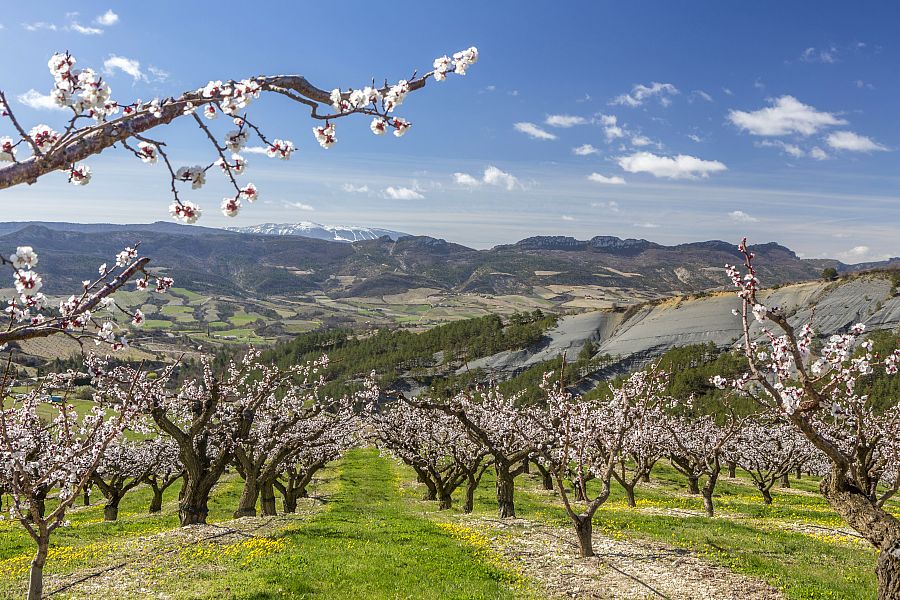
(42,150)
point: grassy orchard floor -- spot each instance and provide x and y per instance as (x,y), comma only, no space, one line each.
(374,538)
(367,542)
(792,544)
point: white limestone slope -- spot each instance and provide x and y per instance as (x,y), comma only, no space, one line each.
(653,328)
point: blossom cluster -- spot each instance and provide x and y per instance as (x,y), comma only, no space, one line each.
(29,311)
(88,95)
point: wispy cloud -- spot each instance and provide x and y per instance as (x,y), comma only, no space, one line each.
(84,30)
(39,26)
(158,74)
(401,193)
(740,216)
(355,189)
(129,66)
(787,115)
(533,131)
(38,101)
(611,128)
(564,120)
(646,225)
(790,149)
(299,206)
(641,140)
(107,19)
(598,178)
(853,142)
(820,55)
(584,150)
(682,166)
(611,206)
(492,176)
(567,218)
(640,93)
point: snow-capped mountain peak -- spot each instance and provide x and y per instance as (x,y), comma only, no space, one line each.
(336,233)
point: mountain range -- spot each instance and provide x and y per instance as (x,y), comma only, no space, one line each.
(335,233)
(250,264)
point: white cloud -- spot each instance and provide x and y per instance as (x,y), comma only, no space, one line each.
(820,55)
(564,120)
(108,18)
(299,206)
(492,176)
(695,138)
(598,178)
(611,127)
(641,140)
(401,193)
(853,142)
(466,180)
(700,94)
(355,189)
(36,100)
(611,206)
(254,150)
(39,25)
(158,74)
(129,66)
(742,217)
(646,225)
(532,130)
(859,254)
(584,150)
(681,166)
(791,149)
(78,28)
(864,85)
(786,115)
(818,154)
(567,218)
(640,93)
(727,91)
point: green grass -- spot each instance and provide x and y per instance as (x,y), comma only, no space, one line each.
(373,540)
(747,536)
(368,542)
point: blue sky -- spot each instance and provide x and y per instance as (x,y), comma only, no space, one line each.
(669,121)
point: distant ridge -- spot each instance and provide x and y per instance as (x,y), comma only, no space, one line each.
(274,259)
(335,233)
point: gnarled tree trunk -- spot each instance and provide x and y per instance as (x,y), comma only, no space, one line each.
(506,507)
(193,506)
(629,494)
(267,501)
(249,495)
(156,501)
(111,508)
(693,485)
(546,477)
(36,572)
(879,527)
(584,529)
